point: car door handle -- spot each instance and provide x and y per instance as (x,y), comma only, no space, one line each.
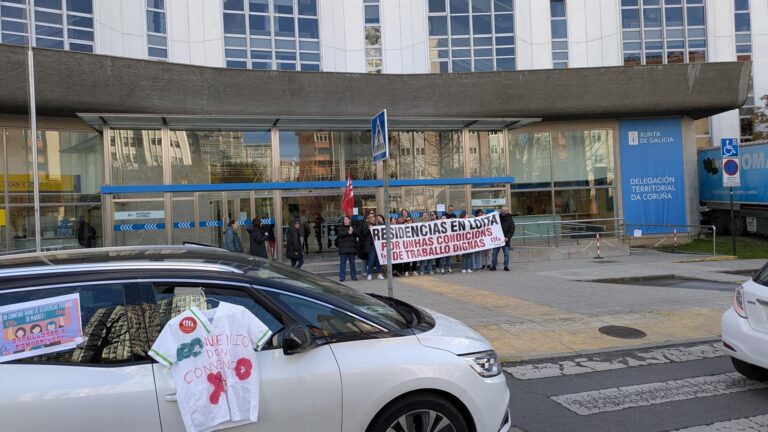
(762,302)
(170,397)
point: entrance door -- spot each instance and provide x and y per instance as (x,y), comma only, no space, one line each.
(321,209)
(211,213)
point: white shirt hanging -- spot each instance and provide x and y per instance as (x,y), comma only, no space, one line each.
(213,361)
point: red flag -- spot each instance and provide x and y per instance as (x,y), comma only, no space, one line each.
(348,202)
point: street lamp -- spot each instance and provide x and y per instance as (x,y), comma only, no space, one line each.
(33,126)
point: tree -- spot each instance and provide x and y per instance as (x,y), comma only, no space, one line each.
(760,121)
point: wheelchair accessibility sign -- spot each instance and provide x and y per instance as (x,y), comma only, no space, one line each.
(729,147)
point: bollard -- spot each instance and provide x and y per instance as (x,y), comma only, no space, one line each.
(598,247)
(674,244)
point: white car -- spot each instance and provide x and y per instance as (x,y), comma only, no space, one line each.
(745,327)
(338,360)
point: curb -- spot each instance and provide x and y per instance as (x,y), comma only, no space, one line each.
(709,259)
(516,360)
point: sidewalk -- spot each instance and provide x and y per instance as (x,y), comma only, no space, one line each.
(554,308)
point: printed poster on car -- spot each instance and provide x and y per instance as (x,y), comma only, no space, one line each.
(40,327)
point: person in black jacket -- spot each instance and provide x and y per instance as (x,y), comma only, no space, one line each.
(293,249)
(508,228)
(258,238)
(269,231)
(347,249)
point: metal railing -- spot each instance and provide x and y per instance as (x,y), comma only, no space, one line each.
(671,235)
(556,231)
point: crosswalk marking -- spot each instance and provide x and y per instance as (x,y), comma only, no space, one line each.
(614,399)
(749,424)
(594,364)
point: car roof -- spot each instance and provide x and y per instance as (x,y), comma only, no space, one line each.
(127,258)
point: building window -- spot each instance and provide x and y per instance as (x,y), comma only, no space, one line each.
(373,58)
(157,40)
(61,24)
(559,24)
(743,27)
(663,31)
(272,34)
(471,38)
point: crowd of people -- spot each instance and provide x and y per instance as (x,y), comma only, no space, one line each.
(356,241)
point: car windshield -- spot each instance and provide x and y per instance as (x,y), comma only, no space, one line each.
(359,301)
(761,276)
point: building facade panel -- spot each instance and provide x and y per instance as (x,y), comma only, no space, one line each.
(404,36)
(759,15)
(534,41)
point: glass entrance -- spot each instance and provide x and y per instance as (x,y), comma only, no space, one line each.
(319,214)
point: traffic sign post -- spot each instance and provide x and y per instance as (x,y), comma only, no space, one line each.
(380,153)
(729,151)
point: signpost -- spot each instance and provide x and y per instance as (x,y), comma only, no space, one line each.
(380,153)
(729,150)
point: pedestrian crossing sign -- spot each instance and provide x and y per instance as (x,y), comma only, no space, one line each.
(379,137)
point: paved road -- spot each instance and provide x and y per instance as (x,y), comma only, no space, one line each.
(551,308)
(675,388)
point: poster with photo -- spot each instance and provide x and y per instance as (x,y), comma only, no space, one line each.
(40,327)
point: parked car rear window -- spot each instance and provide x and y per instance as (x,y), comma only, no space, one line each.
(762,276)
(356,299)
(105,322)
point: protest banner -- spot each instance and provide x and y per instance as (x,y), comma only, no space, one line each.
(435,239)
(40,327)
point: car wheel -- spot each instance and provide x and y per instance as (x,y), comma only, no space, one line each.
(420,413)
(749,370)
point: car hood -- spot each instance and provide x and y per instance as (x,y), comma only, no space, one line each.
(452,335)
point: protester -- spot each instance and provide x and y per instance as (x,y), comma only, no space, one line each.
(445,262)
(293,249)
(449,213)
(231,239)
(508,228)
(372,263)
(319,221)
(397,269)
(347,249)
(258,238)
(306,231)
(409,267)
(479,258)
(269,230)
(426,264)
(466,258)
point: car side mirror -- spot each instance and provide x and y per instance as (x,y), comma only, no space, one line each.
(297,338)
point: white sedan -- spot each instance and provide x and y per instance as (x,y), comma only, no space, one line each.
(745,327)
(339,360)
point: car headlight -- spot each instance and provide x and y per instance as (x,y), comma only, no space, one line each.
(738,302)
(485,363)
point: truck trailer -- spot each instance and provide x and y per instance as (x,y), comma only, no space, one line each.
(750,200)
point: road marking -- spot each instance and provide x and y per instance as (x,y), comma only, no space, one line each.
(749,424)
(594,364)
(593,402)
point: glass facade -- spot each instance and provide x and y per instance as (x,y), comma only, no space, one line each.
(426,155)
(373,58)
(559,34)
(157,34)
(663,31)
(272,34)
(560,173)
(471,36)
(211,157)
(566,173)
(62,24)
(69,169)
